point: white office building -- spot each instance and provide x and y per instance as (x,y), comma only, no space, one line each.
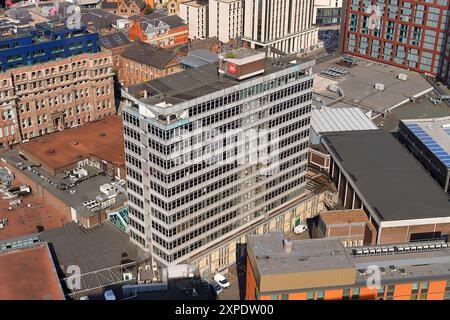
(214,151)
(286,25)
(225,19)
(195,14)
(327,12)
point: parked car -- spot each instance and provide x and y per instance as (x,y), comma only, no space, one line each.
(109,295)
(221,280)
(300,229)
(217,287)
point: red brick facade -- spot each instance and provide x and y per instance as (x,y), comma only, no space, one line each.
(132,72)
(172,38)
(9,130)
(55,95)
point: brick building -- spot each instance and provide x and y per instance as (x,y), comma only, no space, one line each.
(407,34)
(173,6)
(318,157)
(211,44)
(59,94)
(28,272)
(160,30)
(99,141)
(116,42)
(9,130)
(141,62)
(79,171)
(103,21)
(125,8)
(351,227)
(322,269)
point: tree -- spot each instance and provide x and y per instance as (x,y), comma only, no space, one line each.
(148,10)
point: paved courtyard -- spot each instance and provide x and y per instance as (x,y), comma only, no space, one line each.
(236,277)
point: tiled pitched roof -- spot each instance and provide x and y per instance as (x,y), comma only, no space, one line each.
(149,54)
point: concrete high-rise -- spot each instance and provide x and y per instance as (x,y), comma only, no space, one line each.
(195,14)
(226,19)
(213,151)
(286,25)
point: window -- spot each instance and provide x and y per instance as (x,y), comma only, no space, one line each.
(424,291)
(447,291)
(319,295)
(390,292)
(346,294)
(355,294)
(310,295)
(380,294)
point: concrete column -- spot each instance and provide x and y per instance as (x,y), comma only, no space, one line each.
(353,199)
(339,179)
(447,182)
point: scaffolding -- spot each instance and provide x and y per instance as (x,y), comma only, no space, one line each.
(84,283)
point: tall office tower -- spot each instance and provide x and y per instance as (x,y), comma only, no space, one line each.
(444,70)
(408,34)
(195,14)
(327,13)
(225,19)
(213,151)
(286,25)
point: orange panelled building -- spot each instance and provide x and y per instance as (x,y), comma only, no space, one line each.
(322,269)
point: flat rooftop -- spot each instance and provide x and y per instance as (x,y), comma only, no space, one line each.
(195,3)
(306,255)
(435,134)
(33,215)
(390,180)
(100,248)
(180,289)
(421,108)
(343,216)
(408,267)
(194,83)
(417,266)
(29,274)
(103,138)
(359,84)
(241,53)
(83,191)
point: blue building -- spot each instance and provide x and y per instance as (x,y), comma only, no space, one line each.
(44,43)
(429,141)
